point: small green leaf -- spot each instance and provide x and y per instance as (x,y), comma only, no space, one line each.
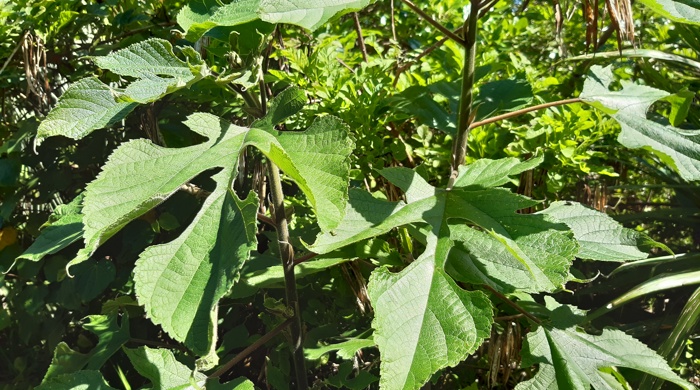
(66,229)
(487,173)
(162,369)
(110,334)
(287,103)
(502,95)
(680,106)
(346,349)
(236,384)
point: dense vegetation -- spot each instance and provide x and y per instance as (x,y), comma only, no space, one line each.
(349,194)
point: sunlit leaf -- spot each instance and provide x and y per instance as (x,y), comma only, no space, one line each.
(423,300)
(677,148)
(685,11)
(201,15)
(180,282)
(601,237)
(569,358)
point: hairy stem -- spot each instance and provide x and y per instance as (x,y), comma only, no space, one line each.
(459,151)
(290,286)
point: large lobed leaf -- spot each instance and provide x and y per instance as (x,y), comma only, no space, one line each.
(199,16)
(440,323)
(89,104)
(180,282)
(629,106)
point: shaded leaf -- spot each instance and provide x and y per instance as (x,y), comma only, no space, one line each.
(164,371)
(66,229)
(81,380)
(346,349)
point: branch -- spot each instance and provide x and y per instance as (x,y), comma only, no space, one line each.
(435,23)
(251,348)
(525,110)
(513,305)
(358,27)
(305,257)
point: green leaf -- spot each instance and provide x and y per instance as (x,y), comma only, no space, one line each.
(236,384)
(638,53)
(157,70)
(422,299)
(346,349)
(287,103)
(487,173)
(601,237)
(202,15)
(86,105)
(111,336)
(180,282)
(163,370)
(424,322)
(680,150)
(657,283)
(502,95)
(65,361)
(65,229)
(81,380)
(89,104)
(685,11)
(569,358)
(533,262)
(680,106)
